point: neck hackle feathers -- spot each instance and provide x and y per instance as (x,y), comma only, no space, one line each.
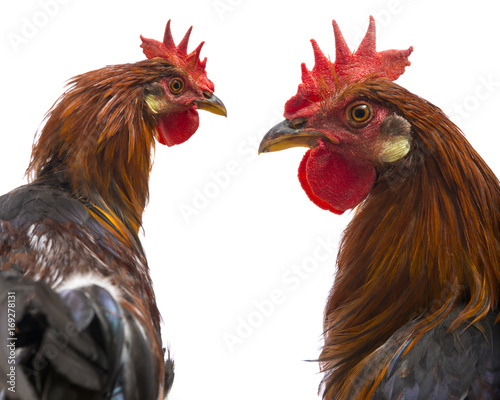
(423,242)
(347,68)
(179,56)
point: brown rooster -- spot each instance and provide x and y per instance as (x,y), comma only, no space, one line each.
(413,310)
(78,313)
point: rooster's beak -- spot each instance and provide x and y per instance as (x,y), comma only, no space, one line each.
(211,103)
(286,135)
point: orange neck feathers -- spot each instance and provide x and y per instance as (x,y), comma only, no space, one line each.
(99,137)
(426,238)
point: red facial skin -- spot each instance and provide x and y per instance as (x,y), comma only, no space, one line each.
(338,174)
(180,120)
(177,128)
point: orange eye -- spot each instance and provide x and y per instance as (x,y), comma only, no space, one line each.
(359,113)
(176,85)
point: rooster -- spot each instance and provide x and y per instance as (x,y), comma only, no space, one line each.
(413,312)
(79,318)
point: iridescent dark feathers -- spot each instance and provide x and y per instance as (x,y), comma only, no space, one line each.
(86,320)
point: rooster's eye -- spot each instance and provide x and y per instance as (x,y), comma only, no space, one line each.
(176,86)
(359,113)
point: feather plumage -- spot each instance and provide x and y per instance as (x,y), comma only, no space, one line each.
(430,230)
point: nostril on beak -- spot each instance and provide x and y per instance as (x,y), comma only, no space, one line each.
(207,95)
(298,123)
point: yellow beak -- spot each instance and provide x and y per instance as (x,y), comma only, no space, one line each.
(211,103)
(284,136)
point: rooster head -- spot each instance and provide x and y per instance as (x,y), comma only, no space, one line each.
(175,99)
(350,136)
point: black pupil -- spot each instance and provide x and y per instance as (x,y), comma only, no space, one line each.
(176,85)
(360,112)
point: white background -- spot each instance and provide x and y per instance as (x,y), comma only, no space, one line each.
(256,235)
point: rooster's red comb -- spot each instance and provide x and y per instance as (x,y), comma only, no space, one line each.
(178,55)
(348,67)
